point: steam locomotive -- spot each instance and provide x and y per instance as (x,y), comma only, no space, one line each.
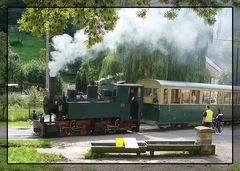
(116,108)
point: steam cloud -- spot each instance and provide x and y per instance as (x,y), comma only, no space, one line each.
(182,31)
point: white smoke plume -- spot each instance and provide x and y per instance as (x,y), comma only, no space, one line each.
(182,31)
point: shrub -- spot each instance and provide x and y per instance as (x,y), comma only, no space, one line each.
(18,99)
(34,72)
(35,96)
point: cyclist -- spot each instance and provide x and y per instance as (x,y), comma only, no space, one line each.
(218,119)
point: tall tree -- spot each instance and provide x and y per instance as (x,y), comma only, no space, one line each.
(78,81)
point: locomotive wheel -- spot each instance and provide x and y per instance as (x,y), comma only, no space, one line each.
(84,130)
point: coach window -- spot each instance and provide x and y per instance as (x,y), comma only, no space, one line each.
(165,96)
(220,97)
(195,97)
(206,97)
(147,92)
(227,98)
(155,95)
(175,96)
(185,96)
(214,95)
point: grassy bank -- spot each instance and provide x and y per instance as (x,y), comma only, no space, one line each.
(30,155)
(20,123)
(30,48)
(17,113)
(25,151)
(6,167)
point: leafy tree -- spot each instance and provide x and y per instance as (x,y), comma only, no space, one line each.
(3,53)
(226,77)
(84,81)
(53,21)
(34,72)
(110,65)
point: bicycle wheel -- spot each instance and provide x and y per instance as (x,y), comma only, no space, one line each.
(220,128)
(213,126)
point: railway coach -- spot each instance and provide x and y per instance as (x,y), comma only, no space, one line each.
(176,103)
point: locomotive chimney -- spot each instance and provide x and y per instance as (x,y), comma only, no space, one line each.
(52,89)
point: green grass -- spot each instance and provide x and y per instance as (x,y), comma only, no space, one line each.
(16,113)
(30,143)
(30,155)
(2,123)
(92,155)
(30,49)
(25,151)
(19,123)
(6,167)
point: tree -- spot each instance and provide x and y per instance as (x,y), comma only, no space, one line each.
(78,81)
(3,53)
(110,65)
(84,81)
(226,77)
(53,21)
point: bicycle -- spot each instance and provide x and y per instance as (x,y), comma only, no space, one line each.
(217,126)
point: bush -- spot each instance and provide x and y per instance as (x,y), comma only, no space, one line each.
(15,71)
(34,72)
(35,96)
(18,99)
(3,108)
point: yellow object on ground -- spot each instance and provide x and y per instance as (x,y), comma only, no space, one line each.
(119,142)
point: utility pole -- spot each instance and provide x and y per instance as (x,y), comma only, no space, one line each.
(47,58)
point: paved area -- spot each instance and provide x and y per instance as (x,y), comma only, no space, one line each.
(236,145)
(3,132)
(74,148)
